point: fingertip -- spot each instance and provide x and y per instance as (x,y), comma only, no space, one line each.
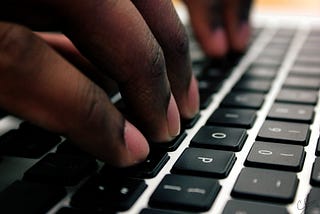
(136,143)
(241,38)
(193,100)
(173,118)
(216,45)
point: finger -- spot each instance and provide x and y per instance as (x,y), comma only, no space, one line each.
(237,23)
(119,42)
(45,89)
(64,46)
(173,40)
(206,17)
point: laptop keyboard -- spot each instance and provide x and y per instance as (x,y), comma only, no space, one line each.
(254,146)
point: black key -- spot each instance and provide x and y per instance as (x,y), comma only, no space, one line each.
(249,207)
(214,137)
(315,175)
(189,123)
(261,72)
(3,113)
(253,85)
(69,210)
(268,61)
(147,169)
(213,73)
(285,32)
(308,61)
(301,82)
(69,148)
(276,131)
(205,100)
(276,156)
(171,145)
(265,184)
(318,147)
(158,211)
(67,170)
(292,112)
(298,96)
(205,162)
(209,86)
(106,194)
(29,198)
(242,118)
(243,100)
(181,192)
(312,205)
(302,70)
(28,141)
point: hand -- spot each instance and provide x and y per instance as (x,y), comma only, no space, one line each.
(220,25)
(142,45)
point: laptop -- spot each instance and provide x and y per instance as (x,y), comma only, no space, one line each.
(253,148)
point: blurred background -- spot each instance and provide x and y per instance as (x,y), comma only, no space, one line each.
(296,7)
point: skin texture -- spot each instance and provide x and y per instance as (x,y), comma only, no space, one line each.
(58,80)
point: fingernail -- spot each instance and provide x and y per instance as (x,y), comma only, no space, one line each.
(193,98)
(136,143)
(173,118)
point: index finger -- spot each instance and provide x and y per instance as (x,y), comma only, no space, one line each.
(119,42)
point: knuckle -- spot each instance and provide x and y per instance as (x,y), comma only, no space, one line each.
(92,106)
(181,42)
(157,63)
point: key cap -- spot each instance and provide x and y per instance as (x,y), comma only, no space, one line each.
(28,141)
(284,132)
(291,112)
(66,170)
(147,169)
(107,194)
(309,61)
(69,148)
(213,73)
(169,146)
(182,192)
(303,70)
(209,86)
(205,100)
(261,72)
(312,205)
(205,162)
(265,184)
(301,82)
(249,207)
(298,96)
(189,123)
(268,61)
(315,175)
(243,100)
(69,210)
(3,114)
(158,211)
(215,137)
(241,118)
(29,198)
(253,85)
(276,156)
